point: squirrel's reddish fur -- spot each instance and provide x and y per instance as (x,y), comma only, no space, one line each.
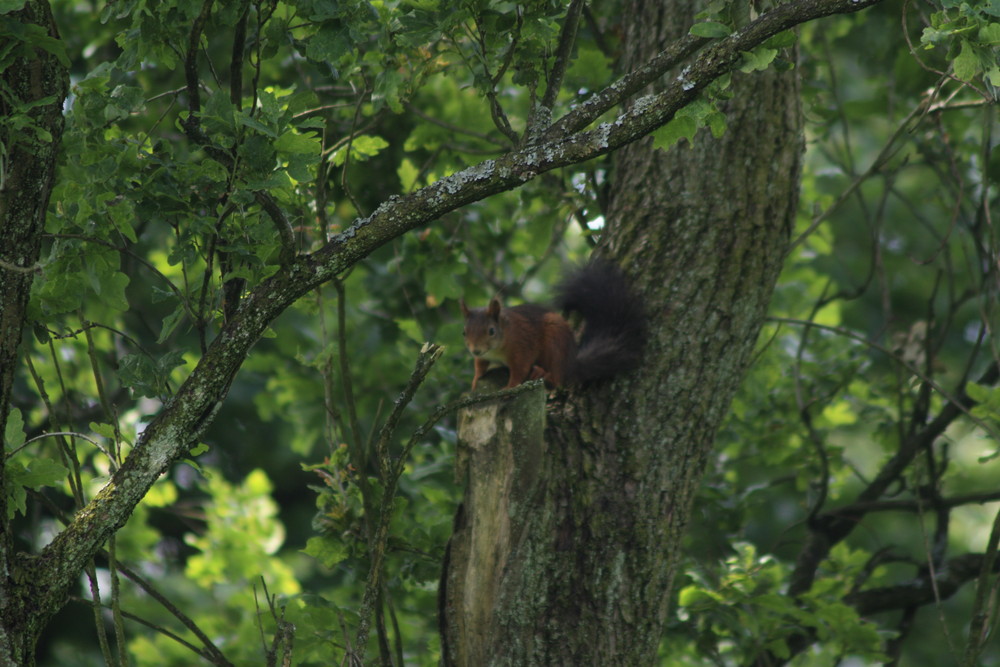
(533,342)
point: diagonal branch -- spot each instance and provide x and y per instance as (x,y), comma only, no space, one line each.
(830,528)
(921,591)
(236,60)
(567,39)
(630,84)
(378,530)
(914,505)
(926,588)
(191,58)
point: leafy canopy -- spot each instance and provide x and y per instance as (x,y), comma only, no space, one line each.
(207,142)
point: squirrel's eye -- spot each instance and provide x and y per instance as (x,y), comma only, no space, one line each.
(493,332)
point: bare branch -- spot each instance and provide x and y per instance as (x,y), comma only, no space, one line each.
(379,533)
(915,505)
(979,628)
(919,591)
(236,60)
(567,39)
(191,66)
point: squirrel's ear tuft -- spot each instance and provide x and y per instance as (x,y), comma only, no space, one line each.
(465,309)
(495,307)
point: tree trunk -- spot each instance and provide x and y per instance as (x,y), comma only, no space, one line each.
(702,233)
(501,456)
(29,169)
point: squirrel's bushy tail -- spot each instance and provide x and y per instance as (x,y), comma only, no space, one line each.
(615,328)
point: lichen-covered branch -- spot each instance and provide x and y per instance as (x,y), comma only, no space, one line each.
(568,146)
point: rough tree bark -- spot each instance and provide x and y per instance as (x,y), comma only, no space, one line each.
(27,179)
(702,233)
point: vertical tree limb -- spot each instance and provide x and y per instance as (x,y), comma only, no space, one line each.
(25,186)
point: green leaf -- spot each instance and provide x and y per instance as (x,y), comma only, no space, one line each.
(35,474)
(990,34)
(779,647)
(681,127)
(112,290)
(13,436)
(329,45)
(966,64)
(589,70)
(218,114)
(386,91)
(41,333)
(300,167)
(408,173)
(711,29)
(8,6)
(293,142)
(135,371)
(782,40)
(424,5)
(930,37)
(127,99)
(411,328)
(245,119)
(60,293)
(978,392)
(17,497)
(987,400)
(369,146)
(37,36)
(103,430)
(757,60)
(168,362)
(170,323)
(993,75)
(694,596)
(327,551)
(362,148)
(258,154)
(442,280)
(716,122)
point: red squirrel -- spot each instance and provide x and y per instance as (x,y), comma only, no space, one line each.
(533,342)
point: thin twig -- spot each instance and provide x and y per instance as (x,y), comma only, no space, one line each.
(169,634)
(34,268)
(378,538)
(948,396)
(191,63)
(888,150)
(454,129)
(359,458)
(236,57)
(95,605)
(116,601)
(210,651)
(72,434)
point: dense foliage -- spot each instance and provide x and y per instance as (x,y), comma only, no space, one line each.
(206,142)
